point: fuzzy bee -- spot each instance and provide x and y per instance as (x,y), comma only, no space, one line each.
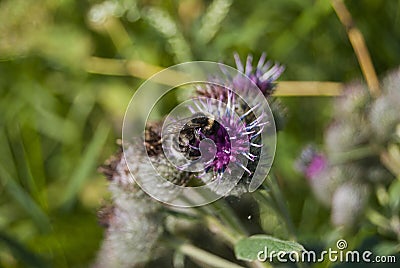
(188,137)
(193,132)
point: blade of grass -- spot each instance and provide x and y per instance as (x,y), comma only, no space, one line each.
(31,162)
(6,156)
(25,200)
(212,19)
(118,34)
(303,25)
(161,20)
(78,113)
(20,157)
(86,165)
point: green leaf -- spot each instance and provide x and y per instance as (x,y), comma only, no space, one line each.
(25,200)
(247,249)
(394,195)
(386,248)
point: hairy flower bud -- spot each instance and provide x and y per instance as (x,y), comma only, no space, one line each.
(343,136)
(133,221)
(348,203)
(385,111)
(353,101)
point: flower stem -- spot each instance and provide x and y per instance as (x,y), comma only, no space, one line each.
(218,228)
(229,227)
(228,215)
(280,204)
(390,162)
(360,48)
(118,34)
(201,255)
(354,154)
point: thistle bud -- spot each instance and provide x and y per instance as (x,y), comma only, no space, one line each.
(385,111)
(348,204)
(133,222)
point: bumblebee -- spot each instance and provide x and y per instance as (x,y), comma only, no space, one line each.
(193,132)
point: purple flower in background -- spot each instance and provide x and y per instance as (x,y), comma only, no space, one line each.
(321,177)
(317,165)
(263,75)
(312,163)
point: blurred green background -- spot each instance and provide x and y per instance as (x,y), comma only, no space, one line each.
(68,69)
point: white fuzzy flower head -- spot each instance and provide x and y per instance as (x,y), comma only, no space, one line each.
(348,204)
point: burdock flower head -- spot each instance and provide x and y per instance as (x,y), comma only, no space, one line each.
(234,125)
(321,178)
(263,75)
(311,162)
(385,111)
(231,135)
(220,127)
(348,203)
(133,220)
(353,166)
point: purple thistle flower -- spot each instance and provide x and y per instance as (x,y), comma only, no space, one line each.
(213,91)
(232,136)
(263,75)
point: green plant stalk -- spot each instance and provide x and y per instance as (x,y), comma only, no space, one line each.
(355,154)
(230,236)
(278,203)
(201,255)
(228,227)
(221,230)
(378,219)
(229,217)
(119,36)
(25,201)
(270,183)
(226,234)
(390,163)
